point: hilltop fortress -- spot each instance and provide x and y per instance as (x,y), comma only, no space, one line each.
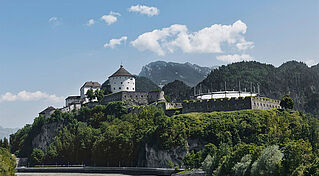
(122,86)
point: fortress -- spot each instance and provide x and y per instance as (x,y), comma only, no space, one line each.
(122,86)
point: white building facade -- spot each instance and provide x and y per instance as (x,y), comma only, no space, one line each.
(87,86)
(122,80)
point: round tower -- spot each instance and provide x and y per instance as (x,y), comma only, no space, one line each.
(122,80)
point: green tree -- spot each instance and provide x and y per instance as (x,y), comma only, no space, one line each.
(268,163)
(240,169)
(5,143)
(207,164)
(99,94)
(7,163)
(286,102)
(37,156)
(296,153)
(90,94)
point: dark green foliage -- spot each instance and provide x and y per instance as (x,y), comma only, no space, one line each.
(90,94)
(110,136)
(286,102)
(4,143)
(177,91)
(99,94)
(7,163)
(37,156)
(291,77)
(145,84)
(268,163)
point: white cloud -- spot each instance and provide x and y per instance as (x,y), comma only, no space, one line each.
(145,10)
(30,96)
(111,18)
(234,58)
(206,40)
(90,22)
(115,13)
(113,42)
(311,62)
(55,20)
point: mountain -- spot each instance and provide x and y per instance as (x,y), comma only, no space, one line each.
(294,78)
(5,132)
(141,84)
(161,72)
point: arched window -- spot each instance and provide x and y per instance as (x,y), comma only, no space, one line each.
(127,88)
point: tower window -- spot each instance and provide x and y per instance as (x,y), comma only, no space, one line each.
(121,82)
(127,88)
(114,88)
(119,87)
(133,88)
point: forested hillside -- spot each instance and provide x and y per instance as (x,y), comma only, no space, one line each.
(275,142)
(177,91)
(291,77)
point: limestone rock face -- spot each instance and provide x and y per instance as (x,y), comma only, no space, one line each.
(155,157)
(46,136)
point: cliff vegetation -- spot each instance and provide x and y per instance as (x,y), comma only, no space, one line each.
(247,142)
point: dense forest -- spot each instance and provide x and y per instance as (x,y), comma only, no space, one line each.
(247,142)
(294,78)
(177,91)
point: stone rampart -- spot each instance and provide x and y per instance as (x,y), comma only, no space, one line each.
(135,98)
(231,104)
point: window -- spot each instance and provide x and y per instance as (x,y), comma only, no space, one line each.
(119,87)
(131,79)
(127,88)
(114,88)
(133,88)
(121,82)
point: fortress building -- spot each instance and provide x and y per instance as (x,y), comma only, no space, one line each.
(87,86)
(122,80)
(122,85)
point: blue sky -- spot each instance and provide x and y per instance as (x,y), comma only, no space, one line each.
(48,50)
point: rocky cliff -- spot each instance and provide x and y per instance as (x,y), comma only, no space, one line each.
(46,136)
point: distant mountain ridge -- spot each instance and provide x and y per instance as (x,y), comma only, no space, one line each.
(161,72)
(5,132)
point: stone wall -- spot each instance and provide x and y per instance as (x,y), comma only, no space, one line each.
(232,104)
(135,98)
(264,103)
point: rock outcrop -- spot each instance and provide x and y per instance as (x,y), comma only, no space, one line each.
(46,136)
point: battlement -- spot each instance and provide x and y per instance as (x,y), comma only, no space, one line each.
(231,104)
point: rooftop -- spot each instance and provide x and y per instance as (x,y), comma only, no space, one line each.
(73,97)
(92,84)
(121,72)
(50,108)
